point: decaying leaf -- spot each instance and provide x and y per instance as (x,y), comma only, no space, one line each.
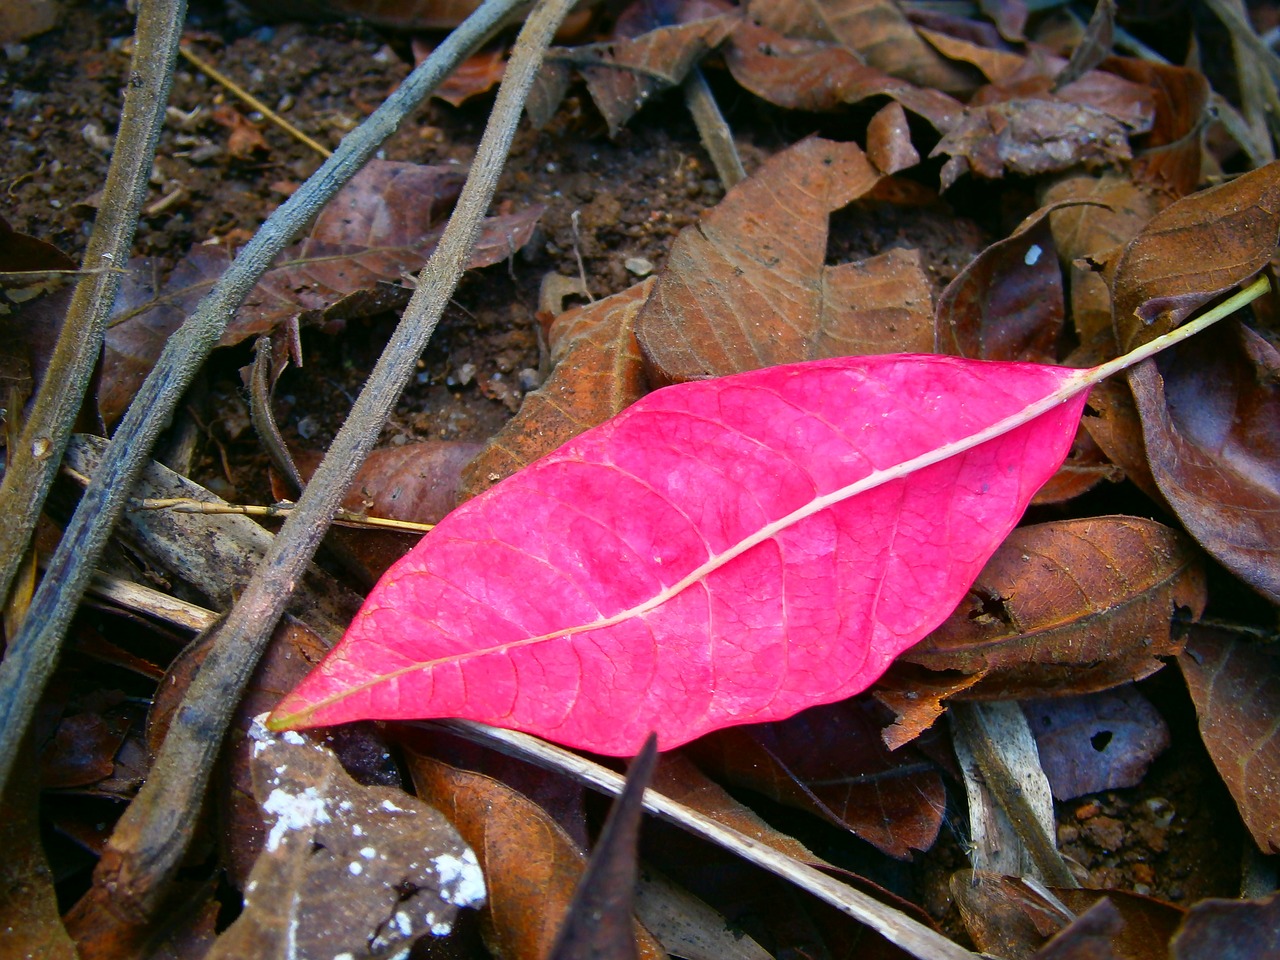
(1070,607)
(1235,686)
(626,72)
(1090,936)
(1009,917)
(380,227)
(1091,234)
(889,140)
(680,779)
(1229,929)
(1030,137)
(1211,427)
(1099,741)
(346,868)
(1007,304)
(917,697)
(478,74)
(830,762)
(747,287)
(876,30)
(1194,250)
(533,866)
(804,74)
(596,373)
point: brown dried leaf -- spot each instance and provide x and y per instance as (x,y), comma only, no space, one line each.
(244,140)
(1229,930)
(1086,466)
(801,74)
(83,749)
(1088,232)
(1009,16)
(1090,936)
(597,372)
(398,14)
(830,762)
(31,311)
(1148,922)
(380,227)
(186,929)
(1235,685)
(532,865)
(1111,418)
(1170,158)
(28,18)
(1030,137)
(1007,304)
(1211,423)
(346,868)
(21,252)
(1194,250)
(1003,915)
(1069,607)
(1094,46)
(624,73)
(746,287)
(1100,741)
(889,144)
(994,59)
(1008,917)
(876,30)
(916,696)
(477,74)
(417,481)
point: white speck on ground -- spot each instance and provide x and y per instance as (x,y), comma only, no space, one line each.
(293,812)
(465,870)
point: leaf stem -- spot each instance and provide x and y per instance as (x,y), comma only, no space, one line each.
(1189,329)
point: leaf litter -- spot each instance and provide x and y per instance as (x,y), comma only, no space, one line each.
(1172,429)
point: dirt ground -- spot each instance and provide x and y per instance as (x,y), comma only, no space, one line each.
(1177,836)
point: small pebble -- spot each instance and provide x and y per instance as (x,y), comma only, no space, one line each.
(638,266)
(1087,810)
(462,375)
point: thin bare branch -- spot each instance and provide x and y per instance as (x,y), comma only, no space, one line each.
(150,839)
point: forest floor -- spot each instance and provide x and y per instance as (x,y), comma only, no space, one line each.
(613,205)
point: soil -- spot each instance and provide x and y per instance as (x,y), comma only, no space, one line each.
(1176,836)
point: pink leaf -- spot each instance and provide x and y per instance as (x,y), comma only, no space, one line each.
(721,552)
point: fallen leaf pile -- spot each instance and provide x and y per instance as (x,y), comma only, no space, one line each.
(795,510)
